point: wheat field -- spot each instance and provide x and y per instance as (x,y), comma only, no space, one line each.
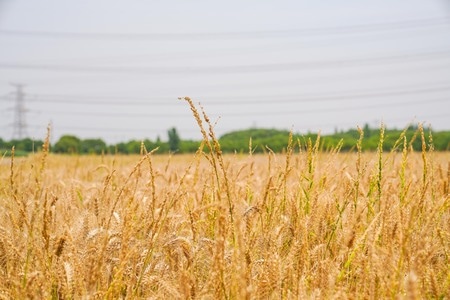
(304,224)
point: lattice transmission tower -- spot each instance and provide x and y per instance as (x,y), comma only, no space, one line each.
(19,123)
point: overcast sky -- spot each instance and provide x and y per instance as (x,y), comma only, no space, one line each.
(114,69)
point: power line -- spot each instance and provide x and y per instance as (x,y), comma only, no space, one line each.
(405,71)
(349,29)
(269,46)
(153,130)
(289,66)
(340,108)
(254,99)
(253,113)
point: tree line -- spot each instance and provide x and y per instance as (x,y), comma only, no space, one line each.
(260,140)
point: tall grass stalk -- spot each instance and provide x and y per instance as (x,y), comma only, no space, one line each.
(215,155)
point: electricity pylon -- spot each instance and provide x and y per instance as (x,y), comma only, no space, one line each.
(19,124)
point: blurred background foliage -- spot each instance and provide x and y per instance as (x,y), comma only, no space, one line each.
(259,139)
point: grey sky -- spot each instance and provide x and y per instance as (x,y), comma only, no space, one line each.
(114,69)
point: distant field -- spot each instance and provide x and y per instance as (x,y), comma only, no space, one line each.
(211,226)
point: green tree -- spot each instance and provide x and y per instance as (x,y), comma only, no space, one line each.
(238,141)
(188,146)
(68,144)
(174,140)
(133,147)
(93,146)
(367,130)
(118,148)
